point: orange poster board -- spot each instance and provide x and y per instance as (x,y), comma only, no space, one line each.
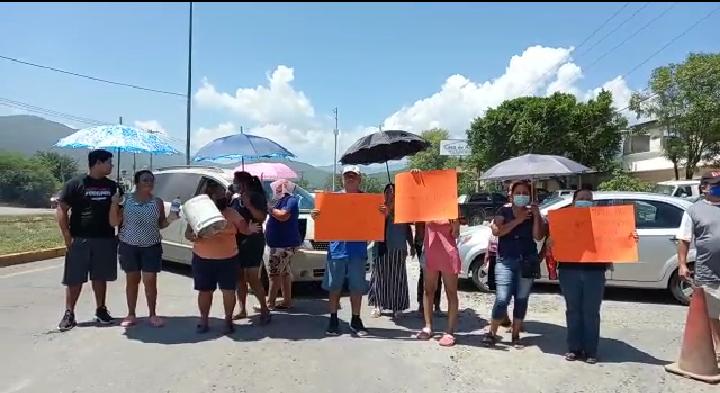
(594,235)
(349,217)
(426,196)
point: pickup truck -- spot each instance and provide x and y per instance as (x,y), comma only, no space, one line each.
(480,206)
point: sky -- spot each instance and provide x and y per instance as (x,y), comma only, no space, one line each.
(278,70)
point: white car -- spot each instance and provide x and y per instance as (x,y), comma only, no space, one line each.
(679,188)
(658,218)
(185,182)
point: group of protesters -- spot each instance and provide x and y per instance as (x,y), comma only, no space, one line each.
(231,259)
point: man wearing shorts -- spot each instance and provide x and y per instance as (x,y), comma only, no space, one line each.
(701,223)
(346,259)
(89,238)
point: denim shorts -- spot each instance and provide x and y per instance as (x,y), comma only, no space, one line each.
(337,270)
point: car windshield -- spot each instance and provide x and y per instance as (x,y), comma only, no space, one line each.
(305,200)
(551,201)
(665,189)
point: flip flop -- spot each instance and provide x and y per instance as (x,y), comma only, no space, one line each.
(447,340)
(424,335)
(128,322)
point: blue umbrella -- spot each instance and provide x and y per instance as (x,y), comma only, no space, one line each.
(240,147)
(119,138)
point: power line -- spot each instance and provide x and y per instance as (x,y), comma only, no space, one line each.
(603,25)
(90,77)
(48,112)
(611,32)
(672,41)
(631,36)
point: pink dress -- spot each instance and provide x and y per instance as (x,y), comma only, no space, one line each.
(441,253)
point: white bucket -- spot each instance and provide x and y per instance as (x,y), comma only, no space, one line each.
(203,216)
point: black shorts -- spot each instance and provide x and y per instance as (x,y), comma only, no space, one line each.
(140,259)
(211,274)
(251,249)
(94,257)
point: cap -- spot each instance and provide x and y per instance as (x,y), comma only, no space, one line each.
(711,177)
(351,169)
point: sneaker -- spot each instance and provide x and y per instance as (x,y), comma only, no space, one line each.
(357,327)
(67,322)
(102,316)
(333,328)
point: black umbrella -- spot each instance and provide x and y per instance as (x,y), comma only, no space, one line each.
(382,147)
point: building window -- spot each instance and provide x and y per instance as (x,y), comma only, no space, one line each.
(636,144)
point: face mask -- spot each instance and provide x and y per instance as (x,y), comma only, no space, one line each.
(714,191)
(521,200)
(583,203)
(221,203)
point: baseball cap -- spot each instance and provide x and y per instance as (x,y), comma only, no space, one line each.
(711,177)
(351,169)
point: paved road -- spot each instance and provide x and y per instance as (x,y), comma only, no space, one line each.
(21,211)
(641,332)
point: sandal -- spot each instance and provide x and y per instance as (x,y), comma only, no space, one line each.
(128,321)
(516,342)
(156,321)
(240,315)
(571,356)
(447,340)
(425,334)
(489,340)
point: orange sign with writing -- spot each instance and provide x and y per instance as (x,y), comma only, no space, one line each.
(426,196)
(594,235)
(349,217)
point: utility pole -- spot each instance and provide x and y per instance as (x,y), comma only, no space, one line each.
(335,132)
(188,96)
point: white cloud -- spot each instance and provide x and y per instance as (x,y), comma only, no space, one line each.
(280,112)
(278,102)
(151,125)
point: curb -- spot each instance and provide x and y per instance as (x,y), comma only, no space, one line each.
(32,256)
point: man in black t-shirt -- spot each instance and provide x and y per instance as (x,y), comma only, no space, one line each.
(90,240)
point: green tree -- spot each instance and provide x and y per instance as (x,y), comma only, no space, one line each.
(62,167)
(685,98)
(622,181)
(303,183)
(25,181)
(587,132)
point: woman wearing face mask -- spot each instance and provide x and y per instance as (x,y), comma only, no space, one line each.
(215,259)
(140,219)
(517,227)
(388,281)
(582,285)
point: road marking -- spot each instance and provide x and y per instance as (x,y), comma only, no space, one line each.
(41,269)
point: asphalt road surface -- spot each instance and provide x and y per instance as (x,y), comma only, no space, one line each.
(21,211)
(641,332)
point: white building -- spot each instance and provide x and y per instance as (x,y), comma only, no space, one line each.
(643,153)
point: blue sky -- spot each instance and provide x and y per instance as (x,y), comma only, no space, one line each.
(401,65)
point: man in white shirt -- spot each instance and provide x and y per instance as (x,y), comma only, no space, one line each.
(701,225)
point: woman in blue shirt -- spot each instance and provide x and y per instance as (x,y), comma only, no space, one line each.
(283,237)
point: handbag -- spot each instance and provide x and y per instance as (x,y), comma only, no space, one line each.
(530,267)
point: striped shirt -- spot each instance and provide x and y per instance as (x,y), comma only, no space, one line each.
(141,222)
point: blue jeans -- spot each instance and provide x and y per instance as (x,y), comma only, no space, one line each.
(510,284)
(583,291)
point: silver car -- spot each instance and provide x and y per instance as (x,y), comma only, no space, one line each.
(658,218)
(184,182)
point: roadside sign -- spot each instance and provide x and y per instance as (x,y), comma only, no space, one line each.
(454,147)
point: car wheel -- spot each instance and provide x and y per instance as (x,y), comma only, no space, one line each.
(479,277)
(680,289)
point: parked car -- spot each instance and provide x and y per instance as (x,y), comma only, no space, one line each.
(479,206)
(658,218)
(185,182)
(679,188)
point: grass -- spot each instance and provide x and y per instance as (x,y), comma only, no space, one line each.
(28,233)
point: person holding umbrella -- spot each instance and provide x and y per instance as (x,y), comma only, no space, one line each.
(517,228)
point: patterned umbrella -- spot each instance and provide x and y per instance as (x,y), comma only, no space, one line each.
(120,138)
(240,147)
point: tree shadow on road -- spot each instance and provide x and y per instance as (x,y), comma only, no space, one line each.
(550,339)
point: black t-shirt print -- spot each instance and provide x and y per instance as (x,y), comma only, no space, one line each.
(89,200)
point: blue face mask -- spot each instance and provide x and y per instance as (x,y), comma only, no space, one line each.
(714,191)
(521,200)
(583,203)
